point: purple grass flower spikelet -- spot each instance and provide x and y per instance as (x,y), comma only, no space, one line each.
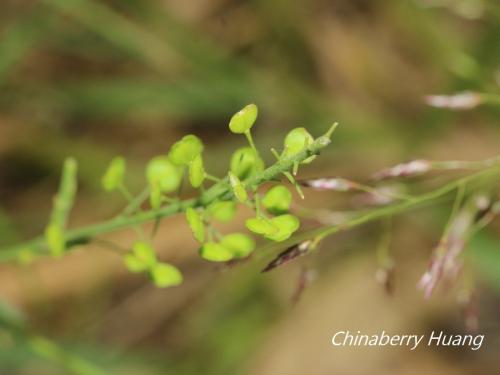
(431,277)
(445,261)
(329,183)
(410,169)
(460,101)
(306,277)
(468,299)
(385,277)
(380,196)
(287,255)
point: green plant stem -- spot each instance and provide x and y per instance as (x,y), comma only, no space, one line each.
(464,164)
(257,204)
(374,191)
(493,99)
(294,182)
(131,201)
(51,352)
(136,203)
(212,178)
(289,176)
(126,194)
(454,210)
(383,248)
(218,191)
(249,137)
(409,204)
(387,211)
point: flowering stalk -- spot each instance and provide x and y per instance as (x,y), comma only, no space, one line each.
(445,260)
(273,221)
(481,178)
(219,191)
(464,223)
(420,166)
(462,101)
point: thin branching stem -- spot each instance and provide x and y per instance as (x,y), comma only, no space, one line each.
(318,234)
(219,191)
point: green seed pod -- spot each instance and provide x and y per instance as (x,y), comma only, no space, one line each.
(63,202)
(195,222)
(261,225)
(215,252)
(297,140)
(245,163)
(243,120)
(277,200)
(134,264)
(196,172)
(184,151)
(239,244)
(286,224)
(222,211)
(54,236)
(162,172)
(64,199)
(113,177)
(165,275)
(145,253)
(238,189)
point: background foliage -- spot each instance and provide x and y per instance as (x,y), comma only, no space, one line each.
(93,79)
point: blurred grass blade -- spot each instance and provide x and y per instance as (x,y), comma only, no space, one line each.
(19,38)
(120,31)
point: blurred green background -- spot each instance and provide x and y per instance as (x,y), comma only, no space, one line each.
(94,79)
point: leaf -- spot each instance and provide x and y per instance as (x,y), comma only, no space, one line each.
(239,244)
(261,226)
(145,253)
(223,211)
(286,224)
(195,222)
(184,151)
(114,175)
(134,264)
(243,120)
(215,252)
(162,172)
(245,163)
(196,172)
(277,200)
(238,189)
(142,258)
(165,275)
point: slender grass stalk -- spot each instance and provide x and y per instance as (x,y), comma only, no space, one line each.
(415,202)
(52,352)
